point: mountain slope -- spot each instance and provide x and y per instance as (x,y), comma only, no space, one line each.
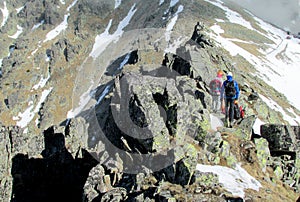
(116,93)
(275,57)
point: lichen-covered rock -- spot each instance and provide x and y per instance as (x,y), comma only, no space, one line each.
(205,182)
(150,114)
(283,143)
(227,155)
(185,167)
(297,173)
(118,194)
(263,152)
(213,141)
(245,127)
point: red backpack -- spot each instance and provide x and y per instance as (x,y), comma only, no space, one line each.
(242,112)
(239,112)
(215,86)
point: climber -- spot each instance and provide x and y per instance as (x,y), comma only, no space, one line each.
(229,95)
(215,86)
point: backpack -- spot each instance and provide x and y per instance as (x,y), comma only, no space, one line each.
(239,112)
(242,112)
(215,86)
(230,89)
(236,112)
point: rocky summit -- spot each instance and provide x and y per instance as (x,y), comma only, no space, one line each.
(109,101)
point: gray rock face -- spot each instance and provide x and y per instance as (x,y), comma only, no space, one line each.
(284,148)
(281,138)
(150,124)
(148,114)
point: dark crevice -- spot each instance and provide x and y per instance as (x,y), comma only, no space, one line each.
(201,96)
(6,103)
(11,141)
(55,177)
(115,68)
(169,113)
(136,114)
(182,66)
(278,153)
(133,58)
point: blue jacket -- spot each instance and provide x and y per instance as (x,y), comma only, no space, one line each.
(237,90)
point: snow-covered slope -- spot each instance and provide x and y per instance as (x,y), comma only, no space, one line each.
(278,63)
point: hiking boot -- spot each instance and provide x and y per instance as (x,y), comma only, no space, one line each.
(232,123)
(227,123)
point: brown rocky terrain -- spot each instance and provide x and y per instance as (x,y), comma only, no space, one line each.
(131,120)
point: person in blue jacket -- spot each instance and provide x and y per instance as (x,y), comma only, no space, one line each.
(230,93)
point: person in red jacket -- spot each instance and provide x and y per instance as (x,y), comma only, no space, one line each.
(215,91)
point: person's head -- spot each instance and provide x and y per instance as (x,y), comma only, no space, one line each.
(219,73)
(229,76)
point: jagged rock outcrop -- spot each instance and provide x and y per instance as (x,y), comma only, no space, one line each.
(149,125)
(284,150)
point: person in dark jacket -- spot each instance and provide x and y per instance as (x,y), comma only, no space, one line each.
(230,93)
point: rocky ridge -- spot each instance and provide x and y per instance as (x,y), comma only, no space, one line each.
(103,153)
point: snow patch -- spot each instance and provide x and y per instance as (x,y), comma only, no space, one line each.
(215,122)
(256,126)
(161,2)
(173,3)
(56,31)
(19,9)
(104,39)
(172,23)
(273,105)
(5,14)
(33,52)
(228,45)
(117,3)
(17,34)
(37,25)
(23,119)
(104,93)
(41,83)
(25,131)
(62,26)
(83,101)
(72,4)
(220,20)
(233,180)
(124,62)
(232,16)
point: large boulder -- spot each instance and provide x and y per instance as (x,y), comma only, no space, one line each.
(281,137)
(284,148)
(148,114)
